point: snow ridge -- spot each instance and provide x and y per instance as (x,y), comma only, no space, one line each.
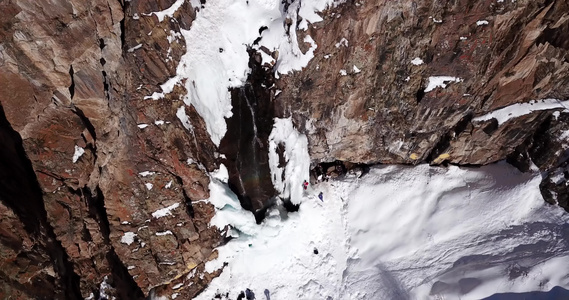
(521,109)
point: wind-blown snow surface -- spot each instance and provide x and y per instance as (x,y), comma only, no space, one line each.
(398,233)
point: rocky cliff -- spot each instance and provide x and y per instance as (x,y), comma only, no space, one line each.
(87,161)
(367,96)
(100,185)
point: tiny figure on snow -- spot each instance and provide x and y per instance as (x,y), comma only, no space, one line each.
(249,295)
(305,185)
(241,296)
(267,294)
(321,197)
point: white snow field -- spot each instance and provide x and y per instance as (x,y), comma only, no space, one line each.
(398,233)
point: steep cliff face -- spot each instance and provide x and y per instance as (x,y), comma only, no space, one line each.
(83,176)
(100,185)
(246,143)
(368,95)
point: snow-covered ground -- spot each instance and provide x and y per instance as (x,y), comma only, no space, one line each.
(398,233)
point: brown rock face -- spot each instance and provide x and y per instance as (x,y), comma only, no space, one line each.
(362,100)
(74,76)
(383,113)
(30,255)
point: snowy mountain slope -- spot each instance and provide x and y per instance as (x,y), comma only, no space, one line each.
(399,233)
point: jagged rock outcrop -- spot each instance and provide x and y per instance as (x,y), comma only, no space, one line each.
(78,211)
(380,112)
(30,255)
(101,184)
(363,98)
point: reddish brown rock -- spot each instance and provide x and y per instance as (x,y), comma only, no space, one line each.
(22,267)
(75,74)
(382,113)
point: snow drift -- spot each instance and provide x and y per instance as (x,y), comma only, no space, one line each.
(399,233)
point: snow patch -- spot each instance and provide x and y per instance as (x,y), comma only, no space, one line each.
(167,232)
(166,211)
(481,23)
(417,61)
(104,288)
(146,173)
(521,109)
(167,12)
(342,42)
(440,81)
(77,154)
(169,184)
(130,50)
(149,185)
(296,156)
(181,114)
(221,174)
(142,126)
(166,88)
(173,36)
(128,238)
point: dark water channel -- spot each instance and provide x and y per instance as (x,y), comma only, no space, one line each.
(245,144)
